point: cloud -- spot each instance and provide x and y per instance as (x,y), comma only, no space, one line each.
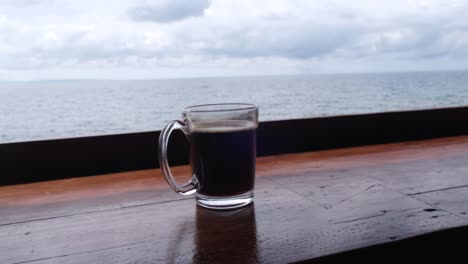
(220,36)
(296,41)
(169,10)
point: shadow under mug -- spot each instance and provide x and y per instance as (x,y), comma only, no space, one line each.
(222,153)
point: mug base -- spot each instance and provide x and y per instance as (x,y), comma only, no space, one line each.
(225,203)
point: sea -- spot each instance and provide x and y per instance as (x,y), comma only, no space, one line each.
(42,110)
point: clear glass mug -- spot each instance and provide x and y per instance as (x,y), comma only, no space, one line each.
(222,153)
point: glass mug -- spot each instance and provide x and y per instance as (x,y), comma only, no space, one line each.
(222,153)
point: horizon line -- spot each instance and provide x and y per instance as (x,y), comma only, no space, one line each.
(234,76)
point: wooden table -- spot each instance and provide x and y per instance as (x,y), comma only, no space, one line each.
(307,205)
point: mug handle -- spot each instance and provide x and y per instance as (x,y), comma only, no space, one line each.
(187,188)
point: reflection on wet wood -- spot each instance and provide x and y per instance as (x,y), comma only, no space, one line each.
(306,206)
(226,233)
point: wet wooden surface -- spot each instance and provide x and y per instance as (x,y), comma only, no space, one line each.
(307,205)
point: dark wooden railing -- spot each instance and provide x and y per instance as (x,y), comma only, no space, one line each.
(74,157)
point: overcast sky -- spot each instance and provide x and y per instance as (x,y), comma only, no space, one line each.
(136,39)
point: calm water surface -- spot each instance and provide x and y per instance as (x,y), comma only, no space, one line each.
(60,109)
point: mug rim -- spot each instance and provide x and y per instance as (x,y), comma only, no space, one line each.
(224,107)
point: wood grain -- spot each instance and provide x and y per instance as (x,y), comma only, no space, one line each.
(313,162)
(307,205)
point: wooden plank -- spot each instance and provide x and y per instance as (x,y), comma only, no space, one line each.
(307,205)
(159,224)
(433,175)
(367,156)
(88,194)
(452,200)
(445,246)
(43,200)
(281,227)
(330,188)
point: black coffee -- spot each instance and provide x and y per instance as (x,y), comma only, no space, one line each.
(222,156)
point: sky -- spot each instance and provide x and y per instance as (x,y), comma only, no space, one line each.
(142,39)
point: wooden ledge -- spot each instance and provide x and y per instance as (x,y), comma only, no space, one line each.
(307,205)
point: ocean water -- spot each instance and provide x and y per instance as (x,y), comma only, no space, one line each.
(62,109)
